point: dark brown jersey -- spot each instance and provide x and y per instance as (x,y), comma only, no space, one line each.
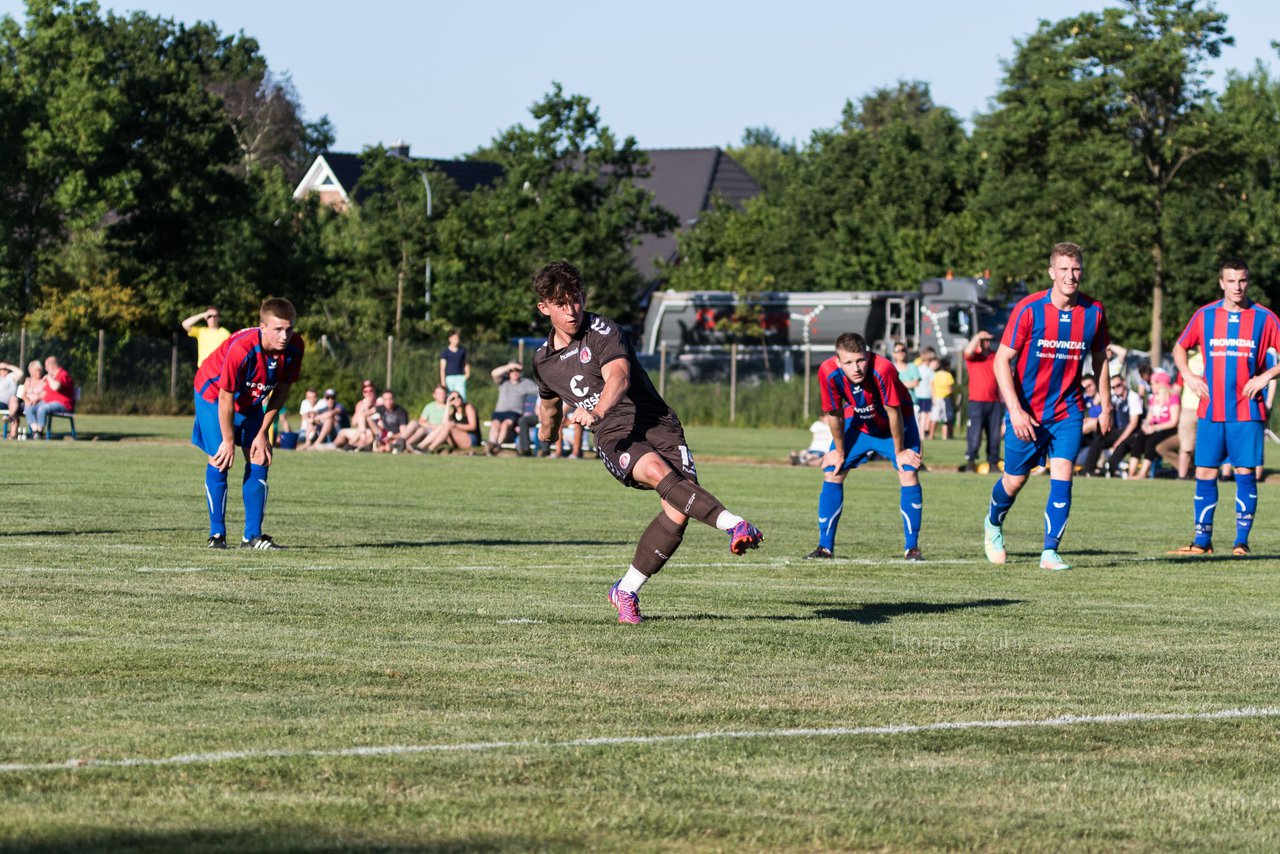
(574,373)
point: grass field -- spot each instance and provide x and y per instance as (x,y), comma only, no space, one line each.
(433,664)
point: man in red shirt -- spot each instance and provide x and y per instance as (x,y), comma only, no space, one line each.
(59,396)
(986,410)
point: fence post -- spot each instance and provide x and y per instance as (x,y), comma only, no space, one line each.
(391,343)
(102,346)
(520,351)
(733,382)
(662,369)
(807,358)
(22,349)
(173,369)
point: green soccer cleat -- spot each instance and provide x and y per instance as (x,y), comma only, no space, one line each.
(1052,561)
(993,541)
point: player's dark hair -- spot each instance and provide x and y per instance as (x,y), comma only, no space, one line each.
(557,283)
(1066,250)
(851,342)
(1233,262)
(278,307)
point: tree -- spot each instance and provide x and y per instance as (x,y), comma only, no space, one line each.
(1114,103)
(568,192)
(767,159)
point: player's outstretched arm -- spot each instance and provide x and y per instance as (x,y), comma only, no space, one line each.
(550,416)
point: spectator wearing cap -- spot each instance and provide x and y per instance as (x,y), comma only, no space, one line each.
(330,417)
(360,435)
(1159,426)
(513,392)
(986,410)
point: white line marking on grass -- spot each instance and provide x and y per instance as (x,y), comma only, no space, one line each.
(607,741)
(171,569)
(519,620)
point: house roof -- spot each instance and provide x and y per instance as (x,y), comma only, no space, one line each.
(346,169)
(687,181)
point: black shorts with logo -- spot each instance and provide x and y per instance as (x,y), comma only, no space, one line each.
(622,448)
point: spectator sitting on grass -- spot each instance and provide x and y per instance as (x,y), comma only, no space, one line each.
(394,422)
(461,427)
(330,417)
(432,417)
(360,435)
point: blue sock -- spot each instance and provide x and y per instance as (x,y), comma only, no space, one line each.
(830,504)
(1246,506)
(911,503)
(1206,501)
(1001,501)
(1056,511)
(255,499)
(215,496)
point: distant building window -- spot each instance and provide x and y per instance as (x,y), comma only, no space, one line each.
(327,182)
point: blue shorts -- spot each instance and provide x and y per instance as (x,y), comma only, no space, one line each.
(206,433)
(1057,439)
(861,447)
(1236,442)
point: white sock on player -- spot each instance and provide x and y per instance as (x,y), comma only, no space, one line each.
(633,580)
(726,520)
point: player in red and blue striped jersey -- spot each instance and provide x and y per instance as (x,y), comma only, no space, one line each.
(1236,335)
(239,390)
(1038,368)
(869,412)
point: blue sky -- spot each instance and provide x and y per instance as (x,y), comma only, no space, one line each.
(447,77)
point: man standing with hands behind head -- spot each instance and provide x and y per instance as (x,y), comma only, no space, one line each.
(239,391)
(208,337)
(1235,334)
(1038,367)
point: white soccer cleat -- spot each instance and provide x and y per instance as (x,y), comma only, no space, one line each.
(993,541)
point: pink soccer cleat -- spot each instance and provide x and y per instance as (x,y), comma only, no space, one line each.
(744,536)
(628,604)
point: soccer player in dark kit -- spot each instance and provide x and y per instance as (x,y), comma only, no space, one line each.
(588,362)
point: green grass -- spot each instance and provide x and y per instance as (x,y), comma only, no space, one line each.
(390,622)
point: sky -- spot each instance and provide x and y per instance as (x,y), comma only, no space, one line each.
(448,77)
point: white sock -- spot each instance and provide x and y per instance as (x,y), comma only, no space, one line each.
(633,580)
(726,520)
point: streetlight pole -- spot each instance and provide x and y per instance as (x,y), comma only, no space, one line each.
(427,271)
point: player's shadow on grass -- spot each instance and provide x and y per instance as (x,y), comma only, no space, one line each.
(876,613)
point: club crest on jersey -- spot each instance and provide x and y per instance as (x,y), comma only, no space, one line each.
(585,355)
(624,460)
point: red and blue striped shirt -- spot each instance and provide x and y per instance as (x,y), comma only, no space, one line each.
(1052,344)
(863,405)
(1235,345)
(241,367)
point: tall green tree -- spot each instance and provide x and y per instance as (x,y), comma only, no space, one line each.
(1099,117)
(569,192)
(878,201)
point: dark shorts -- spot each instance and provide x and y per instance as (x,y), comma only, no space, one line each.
(620,450)
(505,415)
